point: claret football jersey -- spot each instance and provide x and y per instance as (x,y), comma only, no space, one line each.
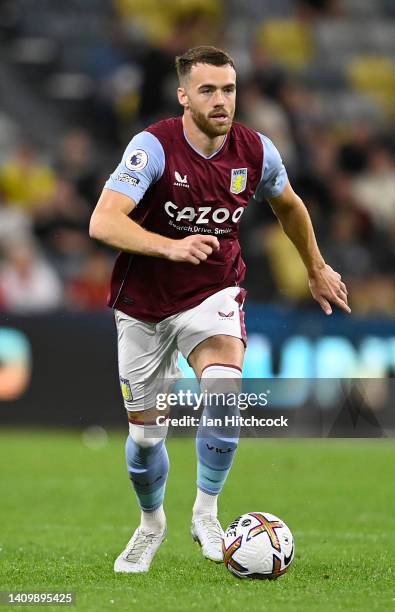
(179,192)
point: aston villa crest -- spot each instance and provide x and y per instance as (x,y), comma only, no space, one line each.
(238,180)
(126,389)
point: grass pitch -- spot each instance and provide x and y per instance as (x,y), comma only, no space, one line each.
(66,512)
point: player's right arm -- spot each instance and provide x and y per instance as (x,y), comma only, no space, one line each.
(141,165)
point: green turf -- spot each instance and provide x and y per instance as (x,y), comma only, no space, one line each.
(66,511)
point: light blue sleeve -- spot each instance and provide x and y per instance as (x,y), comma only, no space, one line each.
(142,164)
(274,175)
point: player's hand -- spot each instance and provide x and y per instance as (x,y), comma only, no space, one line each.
(327,288)
(193,249)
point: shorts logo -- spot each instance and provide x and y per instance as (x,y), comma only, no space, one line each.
(238,180)
(126,178)
(126,389)
(223,315)
(137,160)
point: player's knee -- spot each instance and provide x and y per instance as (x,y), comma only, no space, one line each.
(147,436)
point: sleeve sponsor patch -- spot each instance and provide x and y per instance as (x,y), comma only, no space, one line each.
(137,160)
(126,178)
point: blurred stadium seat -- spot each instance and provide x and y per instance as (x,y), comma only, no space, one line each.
(375,76)
(286,41)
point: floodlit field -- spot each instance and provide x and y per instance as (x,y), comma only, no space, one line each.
(67,510)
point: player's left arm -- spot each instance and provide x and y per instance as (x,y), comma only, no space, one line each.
(325,283)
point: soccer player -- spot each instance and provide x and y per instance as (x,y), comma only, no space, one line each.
(173,208)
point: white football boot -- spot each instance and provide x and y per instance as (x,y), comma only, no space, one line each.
(207,531)
(139,552)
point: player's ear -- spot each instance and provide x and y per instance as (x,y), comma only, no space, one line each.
(182,97)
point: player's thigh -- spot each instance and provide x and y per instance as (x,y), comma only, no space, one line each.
(145,359)
(214,331)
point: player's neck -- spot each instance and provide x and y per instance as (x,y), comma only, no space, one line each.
(199,140)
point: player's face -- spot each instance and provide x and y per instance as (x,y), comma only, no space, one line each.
(209,95)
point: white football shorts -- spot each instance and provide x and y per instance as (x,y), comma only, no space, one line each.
(148,352)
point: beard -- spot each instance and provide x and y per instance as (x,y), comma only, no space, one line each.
(208,125)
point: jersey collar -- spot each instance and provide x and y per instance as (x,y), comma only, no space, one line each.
(199,152)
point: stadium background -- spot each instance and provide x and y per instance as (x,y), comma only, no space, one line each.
(77,79)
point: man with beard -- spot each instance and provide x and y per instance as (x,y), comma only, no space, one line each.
(172,208)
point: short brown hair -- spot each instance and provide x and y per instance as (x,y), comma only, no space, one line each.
(201,55)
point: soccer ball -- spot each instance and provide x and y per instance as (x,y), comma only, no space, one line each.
(258,545)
